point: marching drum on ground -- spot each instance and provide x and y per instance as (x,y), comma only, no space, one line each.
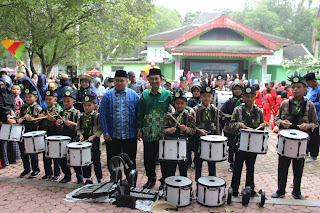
(178,190)
(211,191)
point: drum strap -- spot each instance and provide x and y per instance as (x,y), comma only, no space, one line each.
(295,115)
(249,119)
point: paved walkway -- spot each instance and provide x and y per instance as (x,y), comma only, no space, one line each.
(35,195)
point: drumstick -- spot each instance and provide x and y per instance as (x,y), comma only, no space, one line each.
(35,119)
(179,117)
(60,117)
(173,118)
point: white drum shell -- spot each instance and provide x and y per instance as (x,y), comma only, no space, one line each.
(221,97)
(214,150)
(79,155)
(56,146)
(173,192)
(289,147)
(34,142)
(170,150)
(11,132)
(255,141)
(214,195)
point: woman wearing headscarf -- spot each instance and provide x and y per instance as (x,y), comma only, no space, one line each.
(100,89)
(6,110)
(42,87)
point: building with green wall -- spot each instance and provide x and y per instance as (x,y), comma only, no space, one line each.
(214,43)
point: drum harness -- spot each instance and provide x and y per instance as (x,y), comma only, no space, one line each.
(295,119)
(184,116)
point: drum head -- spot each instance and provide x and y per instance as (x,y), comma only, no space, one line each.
(34,133)
(293,134)
(211,181)
(58,138)
(213,138)
(76,145)
(252,130)
(177,181)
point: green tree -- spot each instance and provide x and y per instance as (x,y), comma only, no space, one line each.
(165,19)
(189,17)
(75,31)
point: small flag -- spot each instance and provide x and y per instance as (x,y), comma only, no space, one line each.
(16,47)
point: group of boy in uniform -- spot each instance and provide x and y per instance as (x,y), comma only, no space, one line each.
(197,116)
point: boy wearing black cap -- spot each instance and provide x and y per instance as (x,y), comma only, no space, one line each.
(228,107)
(28,111)
(207,123)
(186,128)
(88,128)
(48,124)
(66,126)
(295,113)
(313,95)
(244,116)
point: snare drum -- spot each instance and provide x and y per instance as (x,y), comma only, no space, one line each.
(11,132)
(255,141)
(221,97)
(56,146)
(34,142)
(211,191)
(178,190)
(173,149)
(79,154)
(292,143)
(214,148)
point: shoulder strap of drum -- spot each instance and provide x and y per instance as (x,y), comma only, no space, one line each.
(185,117)
(290,105)
(93,118)
(304,105)
(213,113)
(81,121)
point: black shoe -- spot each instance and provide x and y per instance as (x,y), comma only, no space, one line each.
(276,195)
(47,177)
(231,167)
(89,181)
(65,180)
(254,194)
(161,187)
(80,181)
(56,178)
(300,197)
(35,174)
(12,162)
(149,185)
(99,180)
(24,173)
(235,194)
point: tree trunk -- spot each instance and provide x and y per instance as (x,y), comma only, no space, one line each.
(315,43)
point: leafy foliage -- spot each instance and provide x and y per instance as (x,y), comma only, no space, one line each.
(76,31)
(301,65)
(165,19)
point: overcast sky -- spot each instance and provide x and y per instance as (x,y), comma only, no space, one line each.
(184,6)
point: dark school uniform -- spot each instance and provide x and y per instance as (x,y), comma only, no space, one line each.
(251,119)
(190,124)
(89,125)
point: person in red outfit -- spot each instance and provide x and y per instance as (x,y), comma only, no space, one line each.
(282,98)
(283,84)
(268,105)
(289,91)
(277,103)
(274,91)
(258,100)
(264,92)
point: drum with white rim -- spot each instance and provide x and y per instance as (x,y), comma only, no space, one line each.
(254,141)
(211,191)
(79,154)
(11,132)
(292,143)
(34,142)
(171,148)
(56,146)
(214,148)
(178,190)
(221,97)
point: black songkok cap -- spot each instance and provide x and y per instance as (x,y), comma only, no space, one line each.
(310,76)
(121,73)
(221,77)
(91,97)
(183,78)
(69,93)
(207,88)
(249,90)
(155,72)
(297,78)
(179,94)
(30,90)
(52,93)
